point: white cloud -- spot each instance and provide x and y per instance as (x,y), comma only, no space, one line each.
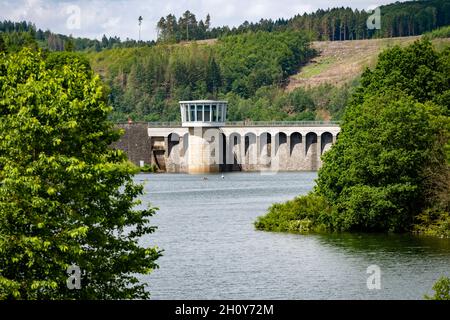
(119,17)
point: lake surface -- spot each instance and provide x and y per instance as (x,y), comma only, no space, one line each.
(212,250)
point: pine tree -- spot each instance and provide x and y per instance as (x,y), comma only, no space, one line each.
(69,45)
(213,76)
(2,44)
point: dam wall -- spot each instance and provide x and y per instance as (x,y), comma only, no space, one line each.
(232,147)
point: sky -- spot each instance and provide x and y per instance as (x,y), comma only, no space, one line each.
(93,18)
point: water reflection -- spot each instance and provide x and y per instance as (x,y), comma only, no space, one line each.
(403,244)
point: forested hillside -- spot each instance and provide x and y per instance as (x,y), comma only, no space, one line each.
(397,20)
(389,169)
(147,83)
(256,72)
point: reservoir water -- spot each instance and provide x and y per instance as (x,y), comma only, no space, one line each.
(212,250)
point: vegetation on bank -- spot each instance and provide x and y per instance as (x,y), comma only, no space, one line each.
(66,197)
(389,170)
(252,70)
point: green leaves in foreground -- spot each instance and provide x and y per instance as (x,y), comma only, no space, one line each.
(65,196)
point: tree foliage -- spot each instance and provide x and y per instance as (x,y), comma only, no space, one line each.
(2,44)
(374,175)
(441,290)
(58,42)
(399,19)
(15,41)
(185,28)
(65,196)
(387,165)
(147,83)
(253,60)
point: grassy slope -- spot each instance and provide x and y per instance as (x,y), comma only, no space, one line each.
(339,62)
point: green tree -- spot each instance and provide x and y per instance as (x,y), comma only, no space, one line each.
(389,163)
(441,290)
(69,45)
(417,70)
(374,175)
(66,197)
(15,41)
(58,59)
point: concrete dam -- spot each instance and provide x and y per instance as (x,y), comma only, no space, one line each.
(204,142)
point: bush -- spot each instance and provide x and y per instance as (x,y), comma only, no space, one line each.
(300,215)
(441,290)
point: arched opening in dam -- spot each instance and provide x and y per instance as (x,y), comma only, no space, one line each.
(223,152)
(280,142)
(311,141)
(326,142)
(265,147)
(234,151)
(296,152)
(250,151)
(174,141)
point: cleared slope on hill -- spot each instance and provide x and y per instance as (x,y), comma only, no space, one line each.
(339,62)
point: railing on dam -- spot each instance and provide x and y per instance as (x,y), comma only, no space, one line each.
(281,123)
(255,124)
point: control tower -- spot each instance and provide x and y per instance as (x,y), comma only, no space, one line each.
(203,119)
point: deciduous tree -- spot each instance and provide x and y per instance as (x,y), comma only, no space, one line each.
(66,197)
